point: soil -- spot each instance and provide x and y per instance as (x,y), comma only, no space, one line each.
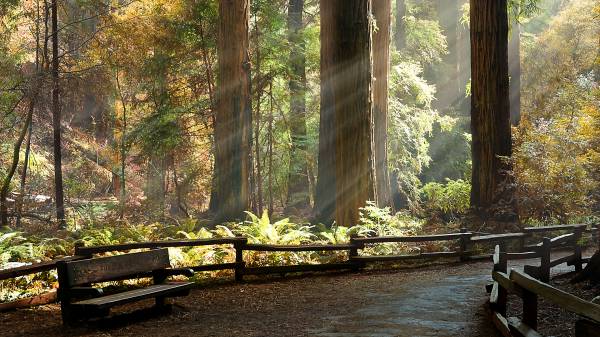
(448,300)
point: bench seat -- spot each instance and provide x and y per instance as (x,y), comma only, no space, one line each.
(169,289)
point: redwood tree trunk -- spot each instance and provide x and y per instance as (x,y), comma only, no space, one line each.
(234,115)
(353,110)
(490,112)
(298,172)
(326,179)
(382,10)
(56,121)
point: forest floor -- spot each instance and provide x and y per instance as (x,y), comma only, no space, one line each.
(441,300)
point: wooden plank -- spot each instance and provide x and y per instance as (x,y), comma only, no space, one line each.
(297,268)
(520,329)
(107,268)
(497,237)
(504,281)
(34,268)
(385,258)
(494,294)
(562,239)
(522,256)
(296,248)
(501,324)
(552,228)
(585,328)
(158,244)
(153,291)
(564,259)
(557,296)
(215,267)
(416,238)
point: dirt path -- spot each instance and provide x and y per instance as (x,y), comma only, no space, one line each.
(433,301)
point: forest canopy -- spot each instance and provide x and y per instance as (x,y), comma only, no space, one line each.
(170,112)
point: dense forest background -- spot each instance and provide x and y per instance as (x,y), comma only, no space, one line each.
(138,91)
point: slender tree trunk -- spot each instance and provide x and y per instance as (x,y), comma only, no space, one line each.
(123,149)
(258,204)
(514,65)
(298,193)
(400,36)
(490,112)
(32,106)
(270,152)
(13,167)
(56,121)
(382,12)
(448,85)
(233,120)
(354,164)
(326,179)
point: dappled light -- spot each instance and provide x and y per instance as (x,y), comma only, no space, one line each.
(299,168)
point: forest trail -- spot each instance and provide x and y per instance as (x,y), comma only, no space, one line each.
(438,300)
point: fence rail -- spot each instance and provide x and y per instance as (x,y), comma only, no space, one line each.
(530,289)
(464,239)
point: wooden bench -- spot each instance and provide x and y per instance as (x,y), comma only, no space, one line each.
(80,301)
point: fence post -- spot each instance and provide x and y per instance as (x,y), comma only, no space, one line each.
(501,266)
(530,308)
(596,230)
(239,260)
(545,260)
(464,244)
(353,252)
(578,250)
(522,241)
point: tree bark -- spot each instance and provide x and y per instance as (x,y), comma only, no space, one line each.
(490,112)
(298,193)
(353,111)
(56,121)
(326,179)
(400,36)
(514,65)
(382,12)
(233,119)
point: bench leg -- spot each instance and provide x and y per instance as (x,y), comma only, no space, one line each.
(162,305)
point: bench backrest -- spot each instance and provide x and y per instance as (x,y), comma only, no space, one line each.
(103,269)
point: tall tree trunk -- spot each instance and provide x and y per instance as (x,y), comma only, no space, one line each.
(32,106)
(514,66)
(490,110)
(354,162)
(400,36)
(233,120)
(56,121)
(382,12)
(13,167)
(258,196)
(298,193)
(326,179)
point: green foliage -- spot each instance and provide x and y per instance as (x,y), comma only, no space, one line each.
(555,156)
(262,230)
(450,199)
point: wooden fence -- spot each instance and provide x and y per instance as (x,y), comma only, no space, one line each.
(464,241)
(530,289)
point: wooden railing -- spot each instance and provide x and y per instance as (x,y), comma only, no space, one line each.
(530,290)
(464,241)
